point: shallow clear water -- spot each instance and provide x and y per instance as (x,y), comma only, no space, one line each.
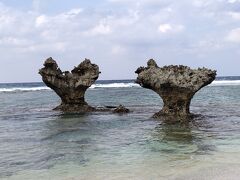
(38,143)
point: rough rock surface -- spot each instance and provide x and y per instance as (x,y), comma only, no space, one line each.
(121,109)
(176,85)
(70,86)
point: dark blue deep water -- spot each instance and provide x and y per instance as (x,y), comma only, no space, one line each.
(39,143)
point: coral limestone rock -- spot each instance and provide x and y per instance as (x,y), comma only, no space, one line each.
(70,86)
(176,85)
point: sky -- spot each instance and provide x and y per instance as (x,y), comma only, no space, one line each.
(118,35)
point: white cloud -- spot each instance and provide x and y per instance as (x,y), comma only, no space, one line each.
(170,28)
(59,19)
(41,20)
(235,15)
(13,41)
(234,36)
(74,12)
(118,50)
(164,28)
(233,1)
(55,46)
(100,29)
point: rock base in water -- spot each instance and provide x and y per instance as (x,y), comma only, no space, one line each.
(176,85)
(75,108)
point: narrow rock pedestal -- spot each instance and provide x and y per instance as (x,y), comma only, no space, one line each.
(70,86)
(176,85)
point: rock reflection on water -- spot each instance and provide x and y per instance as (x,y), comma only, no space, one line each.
(180,137)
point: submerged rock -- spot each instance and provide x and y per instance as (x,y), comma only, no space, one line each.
(121,109)
(176,85)
(70,86)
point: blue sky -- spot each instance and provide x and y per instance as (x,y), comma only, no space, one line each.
(118,35)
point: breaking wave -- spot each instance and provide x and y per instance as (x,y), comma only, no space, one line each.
(110,85)
(225,83)
(114,85)
(16,89)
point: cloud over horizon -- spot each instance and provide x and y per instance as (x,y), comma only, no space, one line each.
(118,35)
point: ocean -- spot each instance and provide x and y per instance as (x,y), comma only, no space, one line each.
(39,143)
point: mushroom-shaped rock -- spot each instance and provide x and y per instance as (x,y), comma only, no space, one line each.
(176,85)
(70,86)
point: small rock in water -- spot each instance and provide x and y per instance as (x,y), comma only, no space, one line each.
(121,109)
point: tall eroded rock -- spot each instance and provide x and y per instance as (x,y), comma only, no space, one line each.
(176,85)
(70,86)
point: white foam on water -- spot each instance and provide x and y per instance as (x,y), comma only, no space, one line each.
(24,89)
(225,83)
(126,85)
(113,85)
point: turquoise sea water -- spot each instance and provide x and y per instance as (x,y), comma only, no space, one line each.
(38,143)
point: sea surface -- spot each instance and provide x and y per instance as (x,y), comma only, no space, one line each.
(39,143)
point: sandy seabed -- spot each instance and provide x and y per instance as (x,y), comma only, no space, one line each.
(221,166)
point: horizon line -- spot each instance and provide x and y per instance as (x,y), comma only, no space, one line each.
(96,80)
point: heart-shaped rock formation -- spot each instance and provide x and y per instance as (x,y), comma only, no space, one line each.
(70,86)
(176,85)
